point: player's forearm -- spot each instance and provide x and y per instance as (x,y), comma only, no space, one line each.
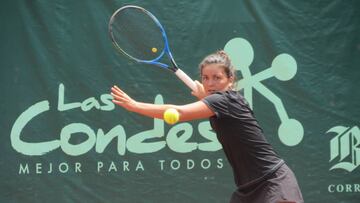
(151,110)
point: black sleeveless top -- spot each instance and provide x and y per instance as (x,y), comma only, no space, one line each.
(252,158)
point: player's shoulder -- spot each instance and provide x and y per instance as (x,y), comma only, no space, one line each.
(229,95)
(235,97)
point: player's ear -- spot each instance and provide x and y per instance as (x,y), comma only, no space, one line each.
(231,79)
(231,82)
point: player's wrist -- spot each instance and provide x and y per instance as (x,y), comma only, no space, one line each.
(133,106)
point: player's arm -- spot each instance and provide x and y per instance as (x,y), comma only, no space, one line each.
(196,110)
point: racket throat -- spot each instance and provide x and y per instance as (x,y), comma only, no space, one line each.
(174,66)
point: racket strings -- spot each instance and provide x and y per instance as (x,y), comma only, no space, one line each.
(137,34)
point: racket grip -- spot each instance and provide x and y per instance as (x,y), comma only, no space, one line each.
(186,79)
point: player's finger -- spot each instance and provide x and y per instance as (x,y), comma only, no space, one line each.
(117,97)
(118,102)
(117,91)
(120,98)
(199,86)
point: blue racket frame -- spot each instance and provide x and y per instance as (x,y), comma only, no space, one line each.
(155,61)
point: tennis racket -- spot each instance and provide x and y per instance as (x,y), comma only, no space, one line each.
(138,34)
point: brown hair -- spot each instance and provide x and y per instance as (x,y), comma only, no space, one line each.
(221,58)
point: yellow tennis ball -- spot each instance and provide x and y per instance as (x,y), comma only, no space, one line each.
(171,116)
(154,50)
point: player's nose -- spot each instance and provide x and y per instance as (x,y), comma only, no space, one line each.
(212,82)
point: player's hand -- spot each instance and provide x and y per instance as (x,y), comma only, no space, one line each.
(200,91)
(122,99)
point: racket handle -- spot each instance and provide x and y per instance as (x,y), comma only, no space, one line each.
(186,79)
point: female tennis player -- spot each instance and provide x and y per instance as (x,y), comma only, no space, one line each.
(261,176)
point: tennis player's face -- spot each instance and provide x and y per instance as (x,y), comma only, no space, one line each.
(214,78)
